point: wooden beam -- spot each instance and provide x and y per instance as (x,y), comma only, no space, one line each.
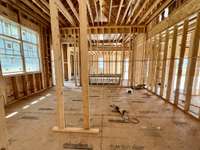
(126,11)
(133,10)
(84,61)
(75,59)
(109,48)
(45,3)
(3,128)
(90,12)
(43,9)
(192,6)
(150,10)
(95,5)
(15,87)
(119,10)
(158,59)
(181,60)
(64,11)
(115,29)
(164,63)
(58,64)
(140,11)
(110,11)
(158,11)
(192,64)
(171,65)
(101,10)
(73,9)
(123,60)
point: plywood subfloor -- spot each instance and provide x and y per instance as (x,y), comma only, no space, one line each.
(161,127)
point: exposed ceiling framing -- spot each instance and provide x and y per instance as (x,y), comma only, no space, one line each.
(103,12)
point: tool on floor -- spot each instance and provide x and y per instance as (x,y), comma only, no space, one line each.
(124,114)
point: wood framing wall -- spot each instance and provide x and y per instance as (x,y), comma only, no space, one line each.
(139,59)
(170,52)
(23,85)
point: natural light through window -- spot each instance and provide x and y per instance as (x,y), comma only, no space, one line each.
(19,51)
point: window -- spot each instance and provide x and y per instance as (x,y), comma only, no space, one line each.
(17,48)
(30,48)
(101,64)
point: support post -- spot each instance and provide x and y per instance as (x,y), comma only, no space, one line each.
(84,62)
(58,64)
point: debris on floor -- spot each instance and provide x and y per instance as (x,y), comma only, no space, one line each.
(68,146)
(126,147)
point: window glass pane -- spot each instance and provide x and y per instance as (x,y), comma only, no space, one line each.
(1,43)
(1,27)
(31,57)
(15,31)
(10,56)
(7,29)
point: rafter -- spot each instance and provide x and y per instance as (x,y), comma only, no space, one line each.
(45,3)
(110,10)
(166,3)
(95,5)
(101,10)
(118,13)
(43,9)
(126,11)
(73,9)
(64,11)
(140,11)
(133,10)
(90,12)
(150,10)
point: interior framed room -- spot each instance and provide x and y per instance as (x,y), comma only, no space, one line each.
(99,74)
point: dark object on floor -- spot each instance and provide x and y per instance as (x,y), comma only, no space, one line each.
(76,100)
(77,146)
(129,91)
(3,148)
(30,118)
(139,87)
(48,109)
(159,84)
(124,115)
(118,110)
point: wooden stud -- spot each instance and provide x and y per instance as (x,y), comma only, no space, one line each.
(123,57)
(192,64)
(3,100)
(172,62)
(158,63)
(181,59)
(15,87)
(164,63)
(75,59)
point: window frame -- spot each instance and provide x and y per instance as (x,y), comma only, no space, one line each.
(21,42)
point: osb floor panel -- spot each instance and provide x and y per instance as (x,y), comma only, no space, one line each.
(161,127)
